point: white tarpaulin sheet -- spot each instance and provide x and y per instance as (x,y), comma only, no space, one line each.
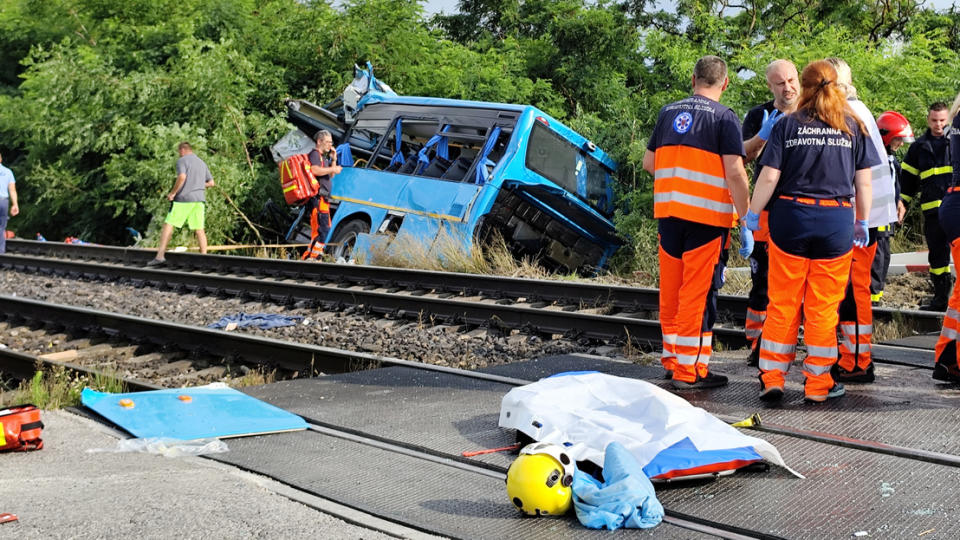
(586,411)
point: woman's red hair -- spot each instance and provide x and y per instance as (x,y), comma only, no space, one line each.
(822,99)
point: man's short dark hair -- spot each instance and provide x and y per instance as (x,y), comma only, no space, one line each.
(710,70)
(184,146)
(937,106)
(322,134)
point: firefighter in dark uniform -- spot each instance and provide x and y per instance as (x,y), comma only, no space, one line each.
(323,165)
(927,170)
(784,83)
(696,157)
(947,367)
(816,161)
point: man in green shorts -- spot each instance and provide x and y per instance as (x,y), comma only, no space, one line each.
(193,177)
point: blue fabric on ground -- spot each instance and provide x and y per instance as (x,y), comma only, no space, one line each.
(265,321)
(210,411)
(625,498)
(684,455)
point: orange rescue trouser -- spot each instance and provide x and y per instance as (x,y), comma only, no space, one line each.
(856,312)
(319,227)
(951,319)
(817,284)
(684,285)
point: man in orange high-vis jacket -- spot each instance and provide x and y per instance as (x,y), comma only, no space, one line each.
(700,187)
(323,165)
(784,83)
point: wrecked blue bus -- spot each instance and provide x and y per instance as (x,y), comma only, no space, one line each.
(424,166)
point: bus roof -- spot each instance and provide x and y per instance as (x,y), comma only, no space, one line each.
(381,97)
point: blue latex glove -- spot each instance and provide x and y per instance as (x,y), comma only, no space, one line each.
(625,498)
(860,236)
(752,221)
(746,242)
(769,119)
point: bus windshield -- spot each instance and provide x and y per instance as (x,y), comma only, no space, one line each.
(557,160)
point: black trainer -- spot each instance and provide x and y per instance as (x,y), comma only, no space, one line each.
(712,380)
(157,262)
(835,392)
(855,376)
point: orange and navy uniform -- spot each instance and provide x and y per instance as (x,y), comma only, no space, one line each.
(946,350)
(318,208)
(811,240)
(759,259)
(695,212)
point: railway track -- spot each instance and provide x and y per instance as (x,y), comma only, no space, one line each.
(302,357)
(593,311)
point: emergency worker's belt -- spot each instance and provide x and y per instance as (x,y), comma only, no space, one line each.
(817,202)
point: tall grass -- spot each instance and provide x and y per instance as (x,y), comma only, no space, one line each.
(57,387)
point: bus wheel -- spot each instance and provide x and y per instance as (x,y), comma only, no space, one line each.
(346,238)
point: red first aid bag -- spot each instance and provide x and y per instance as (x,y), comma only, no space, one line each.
(20,428)
(297,181)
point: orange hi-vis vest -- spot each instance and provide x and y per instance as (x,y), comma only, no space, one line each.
(690,184)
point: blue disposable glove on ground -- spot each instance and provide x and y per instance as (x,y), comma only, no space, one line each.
(860,236)
(769,119)
(625,498)
(752,221)
(746,242)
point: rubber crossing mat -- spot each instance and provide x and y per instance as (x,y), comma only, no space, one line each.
(904,355)
(846,491)
(430,496)
(923,341)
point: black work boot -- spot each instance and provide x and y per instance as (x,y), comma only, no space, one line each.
(946,368)
(942,286)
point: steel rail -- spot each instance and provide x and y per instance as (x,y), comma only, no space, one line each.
(729,307)
(453,310)
(256,349)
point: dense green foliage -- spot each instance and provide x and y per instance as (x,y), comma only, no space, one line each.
(95,94)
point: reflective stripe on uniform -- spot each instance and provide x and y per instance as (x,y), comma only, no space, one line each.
(682,172)
(909,168)
(817,369)
(929,205)
(935,171)
(906,198)
(857,329)
(941,270)
(862,347)
(774,347)
(769,365)
(693,200)
(821,352)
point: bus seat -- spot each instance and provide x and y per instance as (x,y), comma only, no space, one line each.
(457,170)
(409,165)
(436,168)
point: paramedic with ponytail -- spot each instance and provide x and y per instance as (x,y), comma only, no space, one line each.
(947,367)
(816,161)
(695,155)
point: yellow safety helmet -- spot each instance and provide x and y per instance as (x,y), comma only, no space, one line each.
(538,481)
